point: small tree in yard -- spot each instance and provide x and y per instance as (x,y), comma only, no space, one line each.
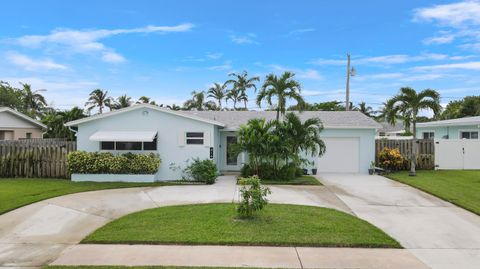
(253,197)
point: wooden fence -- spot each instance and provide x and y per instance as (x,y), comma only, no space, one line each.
(426,150)
(42,158)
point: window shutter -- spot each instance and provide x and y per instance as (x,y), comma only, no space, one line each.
(181,139)
(207,139)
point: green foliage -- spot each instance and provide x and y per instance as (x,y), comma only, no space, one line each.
(55,120)
(82,162)
(466,107)
(253,196)
(201,171)
(391,159)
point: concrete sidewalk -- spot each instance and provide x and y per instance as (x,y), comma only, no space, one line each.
(238,256)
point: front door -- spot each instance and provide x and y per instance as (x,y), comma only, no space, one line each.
(232,161)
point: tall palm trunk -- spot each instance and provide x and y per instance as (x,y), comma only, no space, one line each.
(413,158)
(245,103)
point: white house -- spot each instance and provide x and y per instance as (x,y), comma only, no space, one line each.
(178,136)
(15,125)
(462,128)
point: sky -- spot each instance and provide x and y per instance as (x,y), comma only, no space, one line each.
(167,49)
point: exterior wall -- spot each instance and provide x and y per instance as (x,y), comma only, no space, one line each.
(453,132)
(20,127)
(20,133)
(170,129)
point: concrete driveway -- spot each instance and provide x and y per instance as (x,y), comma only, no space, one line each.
(438,233)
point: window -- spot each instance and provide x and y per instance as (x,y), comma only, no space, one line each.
(110,145)
(128,145)
(428,135)
(107,145)
(194,138)
(28,135)
(469,135)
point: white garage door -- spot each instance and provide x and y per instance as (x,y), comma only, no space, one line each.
(342,155)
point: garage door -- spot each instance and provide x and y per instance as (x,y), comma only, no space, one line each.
(342,155)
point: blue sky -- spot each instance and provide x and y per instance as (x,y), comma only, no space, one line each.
(166,49)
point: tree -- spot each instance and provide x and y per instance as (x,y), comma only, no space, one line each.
(217,92)
(234,95)
(55,120)
(10,97)
(367,110)
(408,103)
(174,107)
(197,101)
(122,101)
(98,99)
(146,100)
(281,88)
(469,106)
(304,136)
(33,102)
(242,83)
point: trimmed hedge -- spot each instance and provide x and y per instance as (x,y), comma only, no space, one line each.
(82,162)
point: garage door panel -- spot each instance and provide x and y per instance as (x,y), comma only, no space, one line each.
(341,156)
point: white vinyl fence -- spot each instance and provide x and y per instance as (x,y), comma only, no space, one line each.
(457,154)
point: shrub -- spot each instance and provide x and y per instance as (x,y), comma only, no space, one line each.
(253,196)
(391,159)
(201,171)
(82,162)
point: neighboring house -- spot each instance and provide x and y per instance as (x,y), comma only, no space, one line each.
(462,128)
(15,125)
(391,130)
(178,136)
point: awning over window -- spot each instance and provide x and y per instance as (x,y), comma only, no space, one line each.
(125,136)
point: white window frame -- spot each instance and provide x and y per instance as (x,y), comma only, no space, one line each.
(468,131)
(428,131)
(195,138)
(128,150)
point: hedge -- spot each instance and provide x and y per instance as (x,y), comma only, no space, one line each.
(82,162)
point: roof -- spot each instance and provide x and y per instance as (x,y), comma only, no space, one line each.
(140,106)
(452,122)
(132,136)
(389,128)
(330,119)
(23,116)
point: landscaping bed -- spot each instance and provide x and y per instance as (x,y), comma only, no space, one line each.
(218,224)
(302,180)
(460,187)
(16,192)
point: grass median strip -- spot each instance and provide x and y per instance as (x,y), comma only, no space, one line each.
(303,180)
(15,193)
(460,187)
(217,224)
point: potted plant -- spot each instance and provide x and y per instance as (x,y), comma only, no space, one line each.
(305,171)
(314,170)
(371,170)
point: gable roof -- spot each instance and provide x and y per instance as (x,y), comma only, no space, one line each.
(453,122)
(23,116)
(139,106)
(330,119)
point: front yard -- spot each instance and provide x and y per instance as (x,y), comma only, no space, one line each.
(460,187)
(15,193)
(217,224)
(302,180)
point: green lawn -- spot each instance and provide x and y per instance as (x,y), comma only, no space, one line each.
(460,187)
(15,193)
(133,267)
(303,180)
(216,224)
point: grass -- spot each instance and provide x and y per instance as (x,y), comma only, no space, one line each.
(460,187)
(217,224)
(133,267)
(302,180)
(15,193)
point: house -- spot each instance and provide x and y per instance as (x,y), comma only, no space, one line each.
(15,125)
(178,136)
(462,128)
(391,130)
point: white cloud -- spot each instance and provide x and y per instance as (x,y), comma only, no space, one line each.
(244,39)
(31,64)
(380,76)
(387,60)
(454,66)
(112,57)
(309,74)
(226,66)
(424,77)
(444,39)
(214,56)
(297,32)
(456,14)
(87,41)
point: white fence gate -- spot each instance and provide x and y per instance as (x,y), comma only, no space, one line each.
(457,154)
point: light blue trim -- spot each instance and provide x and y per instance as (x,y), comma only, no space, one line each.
(113,177)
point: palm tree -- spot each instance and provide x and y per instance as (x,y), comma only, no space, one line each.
(55,120)
(305,136)
(281,88)
(217,92)
(197,102)
(122,102)
(367,110)
(174,107)
(242,83)
(145,100)
(33,102)
(408,104)
(98,98)
(234,95)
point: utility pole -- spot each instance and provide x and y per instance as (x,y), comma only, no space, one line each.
(350,72)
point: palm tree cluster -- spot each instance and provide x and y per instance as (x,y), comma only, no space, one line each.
(274,147)
(28,101)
